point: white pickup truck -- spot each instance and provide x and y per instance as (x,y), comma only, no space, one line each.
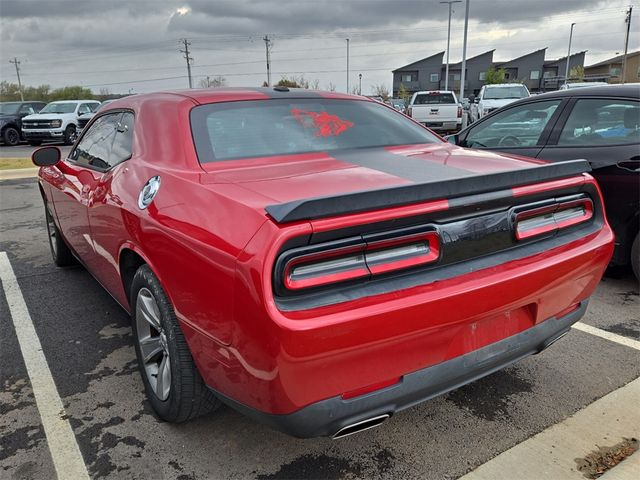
(57,121)
(438,110)
(493,97)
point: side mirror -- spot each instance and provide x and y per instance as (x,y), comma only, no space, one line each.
(46,156)
(453,139)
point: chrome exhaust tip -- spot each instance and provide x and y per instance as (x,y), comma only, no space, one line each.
(360,426)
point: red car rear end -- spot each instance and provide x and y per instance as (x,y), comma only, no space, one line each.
(330,262)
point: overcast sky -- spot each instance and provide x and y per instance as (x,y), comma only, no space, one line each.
(133,45)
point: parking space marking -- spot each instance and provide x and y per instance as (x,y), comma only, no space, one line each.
(61,440)
(553,452)
(598,332)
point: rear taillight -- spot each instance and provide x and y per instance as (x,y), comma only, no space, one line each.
(365,257)
(550,218)
(459,112)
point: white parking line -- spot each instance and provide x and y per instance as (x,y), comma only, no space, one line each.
(64,449)
(598,332)
(552,453)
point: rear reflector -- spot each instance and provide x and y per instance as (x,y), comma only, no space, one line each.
(549,219)
(369,258)
(370,388)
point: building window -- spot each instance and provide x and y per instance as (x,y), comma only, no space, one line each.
(615,71)
(409,77)
(535,75)
(434,77)
(483,76)
(454,77)
(507,76)
(548,74)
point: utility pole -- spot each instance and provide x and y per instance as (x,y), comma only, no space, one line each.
(566,70)
(446,78)
(16,62)
(464,50)
(267,46)
(188,59)
(626,42)
(360,84)
(347,65)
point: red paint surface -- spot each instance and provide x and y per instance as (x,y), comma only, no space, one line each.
(209,241)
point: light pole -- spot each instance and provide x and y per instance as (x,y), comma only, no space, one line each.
(566,70)
(463,73)
(347,65)
(446,78)
(359,84)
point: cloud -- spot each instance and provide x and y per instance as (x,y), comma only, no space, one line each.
(127,44)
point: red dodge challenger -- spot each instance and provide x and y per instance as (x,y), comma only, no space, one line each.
(318,261)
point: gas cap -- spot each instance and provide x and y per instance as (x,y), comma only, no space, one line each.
(148,192)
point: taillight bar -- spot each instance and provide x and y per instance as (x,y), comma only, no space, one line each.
(550,218)
(374,255)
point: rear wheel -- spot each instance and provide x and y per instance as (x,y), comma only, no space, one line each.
(635,256)
(11,136)
(70,135)
(172,383)
(60,252)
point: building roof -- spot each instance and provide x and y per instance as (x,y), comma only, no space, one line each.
(519,58)
(459,64)
(441,54)
(552,63)
(617,59)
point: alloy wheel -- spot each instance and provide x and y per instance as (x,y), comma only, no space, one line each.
(152,340)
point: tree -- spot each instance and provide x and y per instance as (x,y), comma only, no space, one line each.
(293,82)
(331,87)
(494,76)
(403,93)
(209,82)
(315,85)
(576,74)
(355,90)
(381,91)
(75,92)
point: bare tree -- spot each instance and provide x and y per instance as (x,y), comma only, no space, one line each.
(380,91)
(331,87)
(315,85)
(209,82)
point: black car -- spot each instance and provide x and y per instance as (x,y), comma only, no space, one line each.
(11,114)
(600,124)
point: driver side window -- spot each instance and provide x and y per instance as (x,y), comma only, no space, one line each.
(519,126)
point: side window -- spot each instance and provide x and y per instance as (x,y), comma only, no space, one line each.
(84,108)
(519,126)
(94,107)
(95,147)
(123,142)
(26,109)
(595,122)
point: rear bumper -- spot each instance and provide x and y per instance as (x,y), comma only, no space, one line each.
(327,417)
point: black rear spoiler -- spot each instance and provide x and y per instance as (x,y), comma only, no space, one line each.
(321,207)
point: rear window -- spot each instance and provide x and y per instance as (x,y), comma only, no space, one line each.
(262,128)
(434,98)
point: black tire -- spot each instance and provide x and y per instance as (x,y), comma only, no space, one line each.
(70,135)
(635,256)
(60,251)
(11,136)
(187,396)
(35,143)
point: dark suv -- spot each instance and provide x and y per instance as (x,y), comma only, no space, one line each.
(11,114)
(600,124)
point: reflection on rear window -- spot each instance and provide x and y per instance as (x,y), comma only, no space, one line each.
(434,98)
(232,130)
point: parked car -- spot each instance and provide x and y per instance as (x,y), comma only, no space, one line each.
(11,115)
(493,97)
(398,103)
(57,121)
(317,260)
(86,117)
(438,110)
(570,86)
(600,124)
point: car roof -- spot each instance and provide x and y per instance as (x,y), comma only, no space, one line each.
(595,91)
(493,85)
(75,101)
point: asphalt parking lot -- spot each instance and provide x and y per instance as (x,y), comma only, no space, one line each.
(24,150)
(86,340)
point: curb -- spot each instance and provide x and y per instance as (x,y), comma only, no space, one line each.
(16,173)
